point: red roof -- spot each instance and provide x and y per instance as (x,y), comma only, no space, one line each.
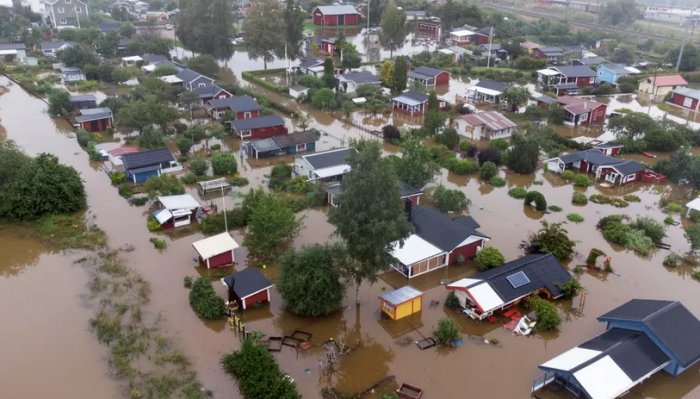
(669,80)
(123,150)
(577,105)
(492,119)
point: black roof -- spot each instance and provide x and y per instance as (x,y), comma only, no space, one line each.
(629,167)
(246,282)
(147,158)
(670,322)
(440,230)
(592,156)
(238,104)
(542,270)
(415,95)
(257,123)
(154,58)
(326,159)
(108,26)
(293,139)
(82,97)
(427,71)
(493,85)
(405,190)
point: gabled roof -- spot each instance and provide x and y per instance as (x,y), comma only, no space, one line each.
(188,76)
(327,159)
(425,72)
(247,282)
(93,114)
(310,61)
(547,99)
(576,105)
(361,77)
(257,123)
(492,47)
(147,158)
(592,61)
(180,201)
(668,321)
(13,46)
(494,120)
(337,10)
(686,92)
(411,97)
(575,71)
(619,69)
(215,245)
(667,80)
(296,138)
(401,295)
(237,104)
(592,156)
(493,85)
(154,58)
(82,97)
(626,168)
(438,229)
(208,90)
(265,145)
(551,51)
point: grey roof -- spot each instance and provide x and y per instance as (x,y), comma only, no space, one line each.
(425,71)
(592,61)
(547,99)
(310,61)
(51,45)
(326,159)
(686,92)
(493,85)
(293,139)
(438,229)
(147,158)
(154,58)
(187,75)
(566,86)
(361,77)
(208,90)
(591,156)
(246,282)
(108,26)
(401,295)
(627,168)
(618,69)
(238,104)
(414,95)
(13,46)
(669,322)
(67,69)
(82,97)
(337,10)
(575,71)
(93,114)
(493,47)
(257,123)
(552,50)
(542,271)
(267,144)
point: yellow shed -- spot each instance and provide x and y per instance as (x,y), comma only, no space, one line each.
(400,303)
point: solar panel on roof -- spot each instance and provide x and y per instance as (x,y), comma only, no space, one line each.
(518,279)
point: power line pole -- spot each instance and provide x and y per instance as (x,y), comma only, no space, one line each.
(488,59)
(694,20)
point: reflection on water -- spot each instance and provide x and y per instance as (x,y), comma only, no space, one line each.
(18,251)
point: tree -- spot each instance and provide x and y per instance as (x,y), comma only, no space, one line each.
(386,74)
(415,167)
(262,32)
(223,164)
(537,198)
(516,97)
(324,99)
(393,27)
(432,119)
(184,144)
(524,155)
(448,137)
(547,315)
(692,234)
(271,228)
(196,22)
(204,300)
(449,200)
(391,133)
(204,64)
(619,12)
(328,73)
(631,126)
(447,332)
(59,103)
(141,113)
(690,60)
(108,44)
(490,154)
(151,138)
(400,74)
(163,185)
(293,18)
(279,176)
(488,170)
(624,54)
(310,280)
(369,216)
(488,258)
(551,238)
(78,55)
(198,166)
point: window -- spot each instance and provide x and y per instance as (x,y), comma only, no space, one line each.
(78,9)
(64,21)
(245,133)
(201,85)
(687,102)
(67,1)
(60,10)
(301,147)
(583,117)
(247,115)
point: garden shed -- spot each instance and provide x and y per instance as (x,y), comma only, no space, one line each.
(247,287)
(178,210)
(402,302)
(216,251)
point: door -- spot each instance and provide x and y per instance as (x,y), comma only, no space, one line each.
(341,19)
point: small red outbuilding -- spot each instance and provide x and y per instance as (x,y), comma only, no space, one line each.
(216,251)
(247,288)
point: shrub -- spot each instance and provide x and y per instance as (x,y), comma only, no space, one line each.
(452,302)
(692,234)
(669,220)
(488,258)
(497,181)
(184,144)
(604,199)
(449,138)
(205,302)
(538,199)
(637,241)
(464,146)
(579,198)
(631,198)
(223,164)
(575,217)
(152,224)
(447,332)
(187,281)
(488,170)
(214,224)
(159,243)
(448,200)
(674,207)
(489,155)
(570,288)
(462,166)
(163,185)
(239,181)
(671,260)
(500,144)
(551,238)
(568,175)
(125,190)
(117,178)
(547,315)
(696,275)
(442,155)
(139,201)
(651,228)
(83,136)
(517,192)
(582,181)
(279,176)
(189,178)
(198,166)
(554,208)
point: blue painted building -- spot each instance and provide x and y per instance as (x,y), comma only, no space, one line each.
(610,73)
(139,166)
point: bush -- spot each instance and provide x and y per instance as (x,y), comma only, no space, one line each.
(184,144)
(554,208)
(604,199)
(163,185)
(449,138)
(674,207)
(547,315)
(205,302)
(391,133)
(669,220)
(538,199)
(152,224)
(462,166)
(517,192)
(117,178)
(551,238)
(497,181)
(575,217)
(138,201)
(582,181)
(464,146)
(452,302)
(579,199)
(448,200)
(632,198)
(239,181)
(279,176)
(651,228)
(488,258)
(568,175)
(447,332)
(671,260)
(187,281)
(442,155)
(198,166)
(490,154)
(189,178)
(215,224)
(223,164)
(488,170)
(83,136)
(159,243)
(125,190)
(692,234)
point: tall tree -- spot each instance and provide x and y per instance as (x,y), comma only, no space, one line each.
(369,215)
(271,228)
(206,27)
(516,96)
(416,166)
(386,74)
(393,27)
(262,32)
(293,18)
(400,74)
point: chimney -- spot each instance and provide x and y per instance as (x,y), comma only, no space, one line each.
(408,208)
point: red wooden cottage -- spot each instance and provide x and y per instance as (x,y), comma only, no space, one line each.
(686,98)
(335,15)
(407,192)
(428,77)
(216,251)
(615,171)
(574,75)
(609,148)
(410,102)
(437,241)
(247,288)
(581,111)
(94,119)
(553,55)
(243,107)
(258,128)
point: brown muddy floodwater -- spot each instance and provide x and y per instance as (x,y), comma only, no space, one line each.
(473,370)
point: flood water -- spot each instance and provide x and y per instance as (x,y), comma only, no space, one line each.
(474,369)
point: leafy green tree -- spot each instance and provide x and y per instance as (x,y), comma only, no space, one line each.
(415,167)
(151,138)
(631,126)
(692,234)
(619,12)
(328,73)
(204,64)
(78,55)
(450,200)
(547,315)
(204,300)
(165,70)
(570,288)
(523,156)
(551,238)
(310,281)
(198,166)
(488,258)
(516,97)
(141,113)
(690,60)
(108,44)
(279,176)
(386,74)
(293,18)
(184,144)
(271,229)
(651,228)
(261,28)
(448,137)
(324,99)
(393,27)
(163,185)
(196,22)
(447,332)
(400,74)
(488,170)
(59,103)
(223,164)
(369,216)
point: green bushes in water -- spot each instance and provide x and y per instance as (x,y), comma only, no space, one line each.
(159,243)
(517,192)
(257,372)
(538,199)
(568,175)
(449,200)
(632,198)
(488,171)
(462,166)
(570,288)
(579,199)
(497,181)
(447,332)
(547,315)
(582,181)
(639,235)
(554,208)
(489,258)
(604,199)
(204,300)
(575,217)
(452,302)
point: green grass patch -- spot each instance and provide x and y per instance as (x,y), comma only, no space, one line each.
(632,198)
(517,192)
(575,217)
(696,275)
(607,200)
(497,181)
(579,199)
(66,232)
(554,208)
(674,207)
(159,243)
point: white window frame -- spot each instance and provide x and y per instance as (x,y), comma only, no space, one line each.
(67,1)
(201,85)
(247,114)
(63,21)
(687,102)
(583,117)
(246,133)
(78,9)
(60,10)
